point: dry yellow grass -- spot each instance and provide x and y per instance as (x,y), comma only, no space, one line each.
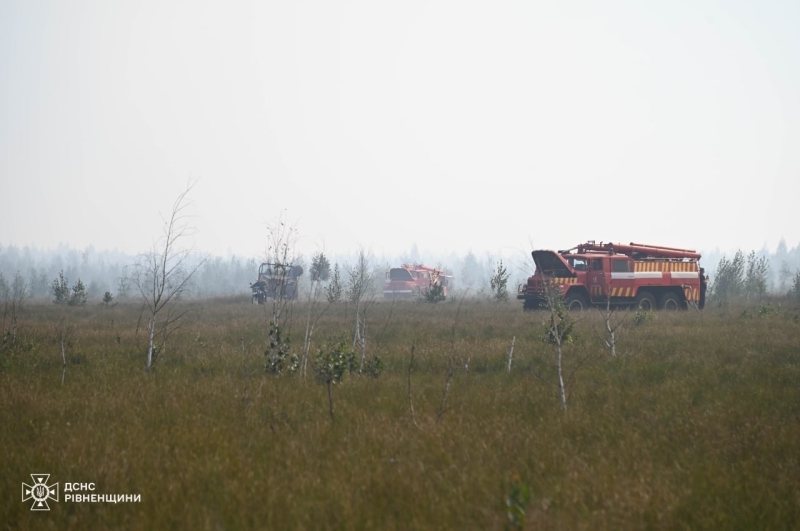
(695,425)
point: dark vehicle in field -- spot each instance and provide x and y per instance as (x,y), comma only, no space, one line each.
(276,281)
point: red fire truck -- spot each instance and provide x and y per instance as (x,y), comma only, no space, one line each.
(645,276)
(410,280)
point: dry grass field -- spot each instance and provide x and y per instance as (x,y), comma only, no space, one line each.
(695,424)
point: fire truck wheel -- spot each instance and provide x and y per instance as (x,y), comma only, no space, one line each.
(670,302)
(575,302)
(645,301)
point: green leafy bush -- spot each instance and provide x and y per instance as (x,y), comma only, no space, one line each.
(643,316)
(333,363)
(278,355)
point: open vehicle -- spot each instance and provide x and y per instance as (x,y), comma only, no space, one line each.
(276,281)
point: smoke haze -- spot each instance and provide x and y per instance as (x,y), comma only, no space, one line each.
(450,125)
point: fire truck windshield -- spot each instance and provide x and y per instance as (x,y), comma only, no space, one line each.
(578,264)
(398,273)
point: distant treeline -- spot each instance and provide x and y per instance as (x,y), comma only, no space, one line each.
(744,272)
(111,271)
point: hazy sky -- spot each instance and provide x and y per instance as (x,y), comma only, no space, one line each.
(454,125)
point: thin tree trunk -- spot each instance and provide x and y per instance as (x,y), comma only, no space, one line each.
(410,402)
(511,354)
(306,349)
(139,322)
(151,332)
(307,339)
(63,361)
(560,377)
(357,334)
(330,399)
(5,311)
(445,393)
(611,343)
(364,342)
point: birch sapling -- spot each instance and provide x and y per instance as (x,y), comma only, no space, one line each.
(165,272)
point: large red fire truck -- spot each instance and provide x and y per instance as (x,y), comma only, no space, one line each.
(645,276)
(411,280)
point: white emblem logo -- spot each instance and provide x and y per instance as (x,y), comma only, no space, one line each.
(40,492)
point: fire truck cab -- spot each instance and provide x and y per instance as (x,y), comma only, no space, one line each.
(410,280)
(649,277)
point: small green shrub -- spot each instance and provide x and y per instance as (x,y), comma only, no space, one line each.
(374,367)
(766,310)
(278,355)
(498,282)
(78,297)
(433,294)
(60,289)
(333,363)
(517,500)
(643,316)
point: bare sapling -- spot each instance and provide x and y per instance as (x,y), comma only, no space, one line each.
(280,254)
(451,361)
(359,283)
(19,292)
(446,390)
(64,331)
(4,295)
(281,242)
(611,342)
(510,355)
(410,401)
(13,297)
(557,331)
(320,272)
(611,327)
(164,273)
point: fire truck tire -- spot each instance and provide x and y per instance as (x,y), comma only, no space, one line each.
(645,301)
(576,302)
(670,302)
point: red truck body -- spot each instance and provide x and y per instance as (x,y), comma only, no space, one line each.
(646,276)
(411,280)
